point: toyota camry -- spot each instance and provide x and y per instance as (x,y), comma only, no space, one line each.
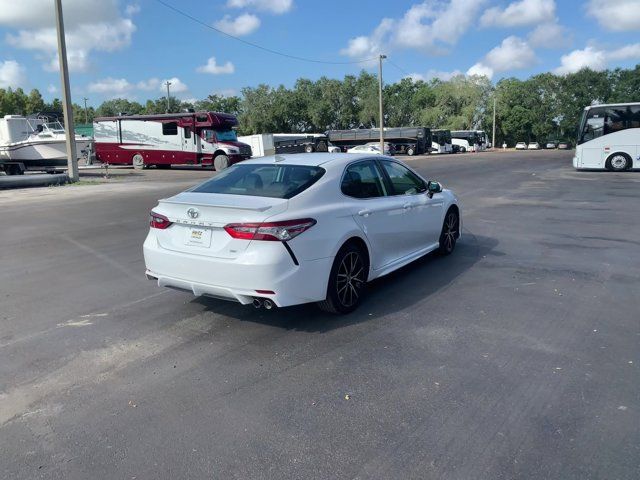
(292,229)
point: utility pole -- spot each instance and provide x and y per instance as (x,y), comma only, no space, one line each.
(382,57)
(72,157)
(493,141)
(168,84)
(86,114)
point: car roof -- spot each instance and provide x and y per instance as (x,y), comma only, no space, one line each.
(312,159)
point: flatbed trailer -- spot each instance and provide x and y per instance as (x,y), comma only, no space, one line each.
(409,140)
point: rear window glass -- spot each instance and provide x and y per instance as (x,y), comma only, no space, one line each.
(275,181)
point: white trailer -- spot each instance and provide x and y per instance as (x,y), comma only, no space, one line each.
(261,144)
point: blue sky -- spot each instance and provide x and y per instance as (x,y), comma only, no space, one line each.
(121,48)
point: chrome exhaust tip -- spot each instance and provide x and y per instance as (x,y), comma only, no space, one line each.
(268,304)
(257,303)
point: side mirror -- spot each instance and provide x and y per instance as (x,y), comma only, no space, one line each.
(433,187)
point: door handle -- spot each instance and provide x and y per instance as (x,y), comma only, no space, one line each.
(364,213)
(407,206)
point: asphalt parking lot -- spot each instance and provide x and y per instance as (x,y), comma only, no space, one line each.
(516,357)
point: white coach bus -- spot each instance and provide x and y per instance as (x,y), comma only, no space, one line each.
(609,138)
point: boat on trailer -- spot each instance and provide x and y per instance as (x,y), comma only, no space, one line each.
(38,143)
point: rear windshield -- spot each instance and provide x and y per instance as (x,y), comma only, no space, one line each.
(275,181)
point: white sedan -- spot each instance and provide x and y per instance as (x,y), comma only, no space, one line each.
(370,148)
(286,230)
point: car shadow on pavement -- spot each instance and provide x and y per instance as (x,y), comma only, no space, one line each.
(388,295)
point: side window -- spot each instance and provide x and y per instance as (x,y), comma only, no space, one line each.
(615,121)
(363,180)
(187,132)
(634,117)
(403,181)
(170,128)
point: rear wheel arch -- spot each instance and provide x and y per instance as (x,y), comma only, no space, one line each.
(362,246)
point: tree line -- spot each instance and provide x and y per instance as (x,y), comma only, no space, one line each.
(542,107)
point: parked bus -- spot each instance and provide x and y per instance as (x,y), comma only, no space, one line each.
(441,141)
(195,138)
(609,137)
(467,140)
(484,139)
(409,140)
(300,142)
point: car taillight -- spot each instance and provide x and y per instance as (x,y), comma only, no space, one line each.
(158,221)
(270,231)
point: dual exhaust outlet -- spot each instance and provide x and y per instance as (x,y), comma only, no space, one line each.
(263,302)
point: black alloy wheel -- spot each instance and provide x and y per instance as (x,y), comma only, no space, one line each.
(450,232)
(346,281)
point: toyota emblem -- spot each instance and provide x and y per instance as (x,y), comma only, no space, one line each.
(193,213)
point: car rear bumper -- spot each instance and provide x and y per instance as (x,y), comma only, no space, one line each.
(265,266)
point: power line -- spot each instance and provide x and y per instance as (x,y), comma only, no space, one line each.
(399,68)
(255,45)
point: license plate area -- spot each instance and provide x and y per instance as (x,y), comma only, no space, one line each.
(198,237)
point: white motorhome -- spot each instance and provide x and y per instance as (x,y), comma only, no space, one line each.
(200,138)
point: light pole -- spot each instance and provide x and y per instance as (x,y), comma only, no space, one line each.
(168,84)
(382,57)
(86,114)
(67,110)
(493,141)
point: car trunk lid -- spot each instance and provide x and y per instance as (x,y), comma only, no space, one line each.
(199,219)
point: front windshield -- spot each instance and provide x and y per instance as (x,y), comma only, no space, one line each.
(212,136)
(227,135)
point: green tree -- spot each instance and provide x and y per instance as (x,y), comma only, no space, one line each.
(35,102)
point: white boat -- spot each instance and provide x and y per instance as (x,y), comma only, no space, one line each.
(37,142)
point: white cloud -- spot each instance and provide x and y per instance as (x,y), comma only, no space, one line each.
(520,13)
(52,88)
(512,54)
(548,35)
(177,86)
(273,6)
(429,26)
(481,70)
(431,74)
(616,15)
(121,87)
(35,14)
(111,86)
(239,26)
(446,23)
(596,58)
(12,74)
(132,9)
(213,68)
(84,33)
(226,92)
(589,57)
(628,52)
(363,46)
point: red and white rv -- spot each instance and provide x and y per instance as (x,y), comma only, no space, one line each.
(196,138)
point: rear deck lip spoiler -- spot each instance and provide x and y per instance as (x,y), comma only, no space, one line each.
(231,207)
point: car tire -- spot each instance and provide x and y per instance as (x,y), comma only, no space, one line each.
(450,232)
(308,148)
(138,161)
(411,151)
(346,281)
(221,162)
(463,150)
(618,162)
